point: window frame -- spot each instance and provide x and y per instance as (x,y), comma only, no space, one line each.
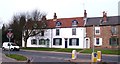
(41,43)
(74,31)
(57,43)
(71,43)
(98,41)
(114,30)
(58,24)
(97,30)
(114,43)
(74,23)
(34,42)
(57,32)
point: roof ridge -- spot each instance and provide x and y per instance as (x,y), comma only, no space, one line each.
(107,16)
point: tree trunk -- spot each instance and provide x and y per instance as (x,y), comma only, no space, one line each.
(25,43)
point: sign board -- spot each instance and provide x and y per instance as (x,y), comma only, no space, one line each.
(9,35)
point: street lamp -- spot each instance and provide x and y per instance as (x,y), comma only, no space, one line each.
(100,23)
(93,36)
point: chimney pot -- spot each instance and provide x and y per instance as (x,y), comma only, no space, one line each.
(85,14)
(44,18)
(55,17)
(104,16)
(103,13)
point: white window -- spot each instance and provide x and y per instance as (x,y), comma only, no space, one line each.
(98,41)
(97,30)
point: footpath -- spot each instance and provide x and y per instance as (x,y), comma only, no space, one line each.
(69,53)
(7,59)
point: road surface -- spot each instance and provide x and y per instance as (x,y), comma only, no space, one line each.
(41,56)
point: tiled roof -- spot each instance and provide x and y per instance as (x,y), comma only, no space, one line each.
(65,22)
(111,20)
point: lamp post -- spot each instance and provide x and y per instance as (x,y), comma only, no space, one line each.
(93,37)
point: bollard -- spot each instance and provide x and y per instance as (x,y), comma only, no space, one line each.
(74,54)
(99,55)
(28,61)
(94,57)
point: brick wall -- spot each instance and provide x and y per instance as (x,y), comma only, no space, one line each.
(105,34)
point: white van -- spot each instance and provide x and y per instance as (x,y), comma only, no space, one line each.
(10,45)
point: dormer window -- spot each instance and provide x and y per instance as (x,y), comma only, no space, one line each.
(58,23)
(74,23)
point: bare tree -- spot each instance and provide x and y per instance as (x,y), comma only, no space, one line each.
(25,25)
(35,20)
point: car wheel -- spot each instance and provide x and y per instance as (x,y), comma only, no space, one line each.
(3,49)
(18,49)
(11,49)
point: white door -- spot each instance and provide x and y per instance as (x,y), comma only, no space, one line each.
(87,43)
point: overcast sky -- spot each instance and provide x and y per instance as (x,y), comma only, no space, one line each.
(63,8)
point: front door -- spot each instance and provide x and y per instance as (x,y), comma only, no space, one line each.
(87,43)
(66,43)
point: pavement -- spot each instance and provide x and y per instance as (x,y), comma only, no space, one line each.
(69,53)
(0,57)
(7,59)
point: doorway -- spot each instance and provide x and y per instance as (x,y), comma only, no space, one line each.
(66,43)
(87,43)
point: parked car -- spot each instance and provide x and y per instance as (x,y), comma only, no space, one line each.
(10,46)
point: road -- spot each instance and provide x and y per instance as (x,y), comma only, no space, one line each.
(41,56)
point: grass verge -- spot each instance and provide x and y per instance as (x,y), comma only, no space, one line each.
(104,51)
(17,57)
(53,49)
(89,51)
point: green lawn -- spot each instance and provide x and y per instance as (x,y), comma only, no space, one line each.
(89,51)
(104,51)
(17,57)
(53,49)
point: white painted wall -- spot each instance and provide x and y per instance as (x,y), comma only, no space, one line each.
(47,34)
(67,33)
(64,33)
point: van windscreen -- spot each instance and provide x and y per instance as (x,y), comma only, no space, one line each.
(13,44)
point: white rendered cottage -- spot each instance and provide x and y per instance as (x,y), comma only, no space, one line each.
(62,33)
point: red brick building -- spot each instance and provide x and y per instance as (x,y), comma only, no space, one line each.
(104,31)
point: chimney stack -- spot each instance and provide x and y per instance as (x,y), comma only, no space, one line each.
(85,14)
(55,17)
(104,16)
(85,17)
(44,18)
